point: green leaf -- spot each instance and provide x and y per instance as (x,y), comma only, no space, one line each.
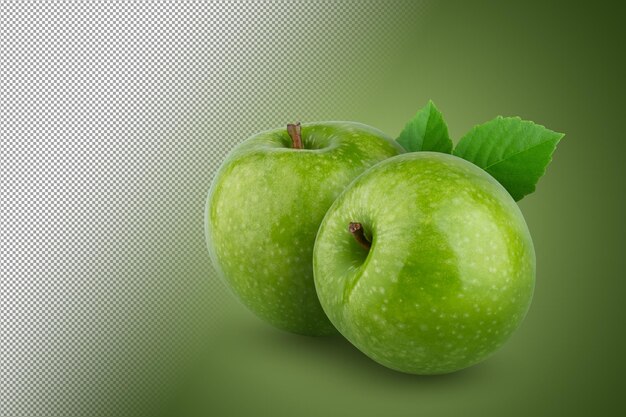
(426,131)
(515,152)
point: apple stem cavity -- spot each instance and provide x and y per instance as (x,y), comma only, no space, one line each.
(357,231)
(295,132)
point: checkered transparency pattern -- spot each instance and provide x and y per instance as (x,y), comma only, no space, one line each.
(113,119)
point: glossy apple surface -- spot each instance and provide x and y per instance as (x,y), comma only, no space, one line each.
(265,206)
(451,268)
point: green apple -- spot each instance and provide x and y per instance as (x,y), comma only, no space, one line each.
(264,208)
(425,263)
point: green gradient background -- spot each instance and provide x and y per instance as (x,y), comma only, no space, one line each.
(376,63)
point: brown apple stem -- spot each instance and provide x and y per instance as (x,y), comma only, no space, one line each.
(296,136)
(357,231)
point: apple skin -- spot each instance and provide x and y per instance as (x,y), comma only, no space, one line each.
(264,208)
(451,269)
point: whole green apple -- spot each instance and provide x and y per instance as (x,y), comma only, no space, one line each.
(264,208)
(425,263)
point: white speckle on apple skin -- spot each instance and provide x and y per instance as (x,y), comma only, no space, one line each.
(448,239)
